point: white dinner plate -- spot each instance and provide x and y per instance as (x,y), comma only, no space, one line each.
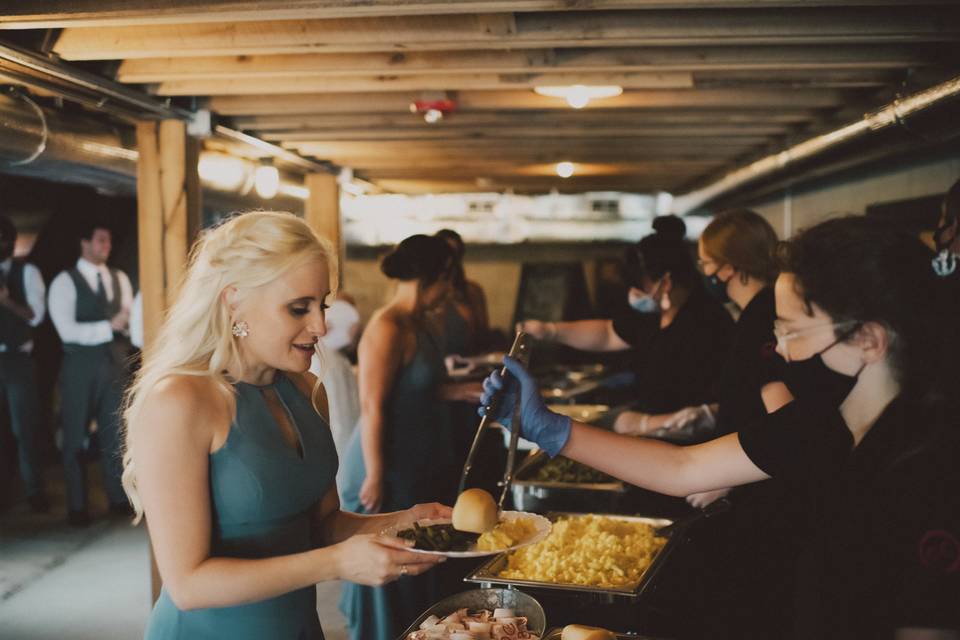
(541,524)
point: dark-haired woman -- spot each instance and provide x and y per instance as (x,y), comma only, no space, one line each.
(869,445)
(404,447)
(680,335)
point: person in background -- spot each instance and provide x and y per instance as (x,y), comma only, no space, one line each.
(868,447)
(467,323)
(750,553)
(90,308)
(333,368)
(22,308)
(403,452)
(679,333)
(228,453)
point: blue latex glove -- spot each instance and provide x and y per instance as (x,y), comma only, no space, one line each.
(550,431)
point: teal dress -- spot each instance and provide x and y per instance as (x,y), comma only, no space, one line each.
(262,494)
(419,466)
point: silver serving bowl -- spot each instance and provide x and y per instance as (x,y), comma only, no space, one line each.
(521,603)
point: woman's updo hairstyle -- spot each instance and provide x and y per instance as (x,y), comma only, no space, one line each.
(744,240)
(419,257)
(663,251)
(857,270)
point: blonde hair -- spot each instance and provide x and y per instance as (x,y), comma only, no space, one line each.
(247,251)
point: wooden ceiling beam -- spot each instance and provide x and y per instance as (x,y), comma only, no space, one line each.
(376,84)
(648,168)
(466,119)
(636,184)
(818,25)
(527,132)
(612,60)
(59,14)
(517,100)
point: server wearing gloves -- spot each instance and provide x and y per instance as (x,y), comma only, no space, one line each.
(21,309)
(679,333)
(868,447)
(90,308)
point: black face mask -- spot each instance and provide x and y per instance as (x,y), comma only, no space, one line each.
(717,288)
(811,380)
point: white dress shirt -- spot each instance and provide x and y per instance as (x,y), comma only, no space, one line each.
(136,321)
(62,303)
(34,292)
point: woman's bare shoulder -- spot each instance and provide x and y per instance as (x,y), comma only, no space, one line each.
(196,403)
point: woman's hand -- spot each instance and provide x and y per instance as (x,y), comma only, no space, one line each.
(427,511)
(538,329)
(701,500)
(375,560)
(371,494)
(632,423)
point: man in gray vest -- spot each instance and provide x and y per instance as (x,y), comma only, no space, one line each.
(90,307)
(22,307)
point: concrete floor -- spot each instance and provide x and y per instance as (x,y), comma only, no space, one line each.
(88,584)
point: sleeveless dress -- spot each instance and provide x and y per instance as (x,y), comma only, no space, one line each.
(262,493)
(419,467)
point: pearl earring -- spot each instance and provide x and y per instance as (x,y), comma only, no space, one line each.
(240,329)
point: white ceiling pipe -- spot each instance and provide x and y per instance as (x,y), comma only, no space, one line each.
(896,111)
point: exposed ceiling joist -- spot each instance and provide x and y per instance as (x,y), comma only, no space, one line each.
(842,26)
(395,102)
(54,14)
(612,60)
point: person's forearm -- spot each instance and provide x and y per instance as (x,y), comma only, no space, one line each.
(587,335)
(21,310)
(225,582)
(371,441)
(661,466)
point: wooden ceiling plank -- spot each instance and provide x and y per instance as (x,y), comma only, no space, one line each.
(483,82)
(613,60)
(398,102)
(59,14)
(830,25)
(467,119)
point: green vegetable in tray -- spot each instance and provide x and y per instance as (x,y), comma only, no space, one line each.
(439,537)
(562,469)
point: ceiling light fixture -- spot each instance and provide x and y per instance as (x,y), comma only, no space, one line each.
(579,95)
(565,169)
(266,181)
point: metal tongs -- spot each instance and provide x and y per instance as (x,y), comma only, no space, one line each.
(520,351)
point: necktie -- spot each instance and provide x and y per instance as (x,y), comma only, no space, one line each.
(101,292)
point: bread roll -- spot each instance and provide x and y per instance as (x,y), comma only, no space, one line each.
(583,632)
(475,511)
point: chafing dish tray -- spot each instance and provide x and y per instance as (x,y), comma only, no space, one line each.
(487,574)
(540,496)
(521,603)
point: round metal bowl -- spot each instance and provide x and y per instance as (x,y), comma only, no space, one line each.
(521,603)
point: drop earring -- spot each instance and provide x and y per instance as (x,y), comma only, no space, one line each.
(240,329)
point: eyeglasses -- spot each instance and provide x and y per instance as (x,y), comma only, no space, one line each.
(784,337)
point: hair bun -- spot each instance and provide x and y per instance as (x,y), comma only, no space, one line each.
(419,257)
(670,226)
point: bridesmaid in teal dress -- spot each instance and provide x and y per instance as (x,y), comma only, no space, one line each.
(403,452)
(229,453)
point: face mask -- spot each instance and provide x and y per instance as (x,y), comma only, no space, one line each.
(643,303)
(716,288)
(812,380)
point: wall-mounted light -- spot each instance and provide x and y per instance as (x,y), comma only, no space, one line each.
(579,95)
(224,172)
(266,181)
(565,169)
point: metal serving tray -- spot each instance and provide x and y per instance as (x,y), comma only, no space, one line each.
(540,496)
(554,634)
(486,575)
(521,603)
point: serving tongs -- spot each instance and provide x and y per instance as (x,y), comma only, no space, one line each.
(718,506)
(520,351)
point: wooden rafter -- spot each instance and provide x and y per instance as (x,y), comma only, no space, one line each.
(842,26)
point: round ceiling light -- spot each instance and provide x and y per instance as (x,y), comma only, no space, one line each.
(579,95)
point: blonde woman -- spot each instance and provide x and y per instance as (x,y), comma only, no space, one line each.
(228,457)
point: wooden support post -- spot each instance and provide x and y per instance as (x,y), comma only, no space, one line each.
(168,217)
(322,212)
